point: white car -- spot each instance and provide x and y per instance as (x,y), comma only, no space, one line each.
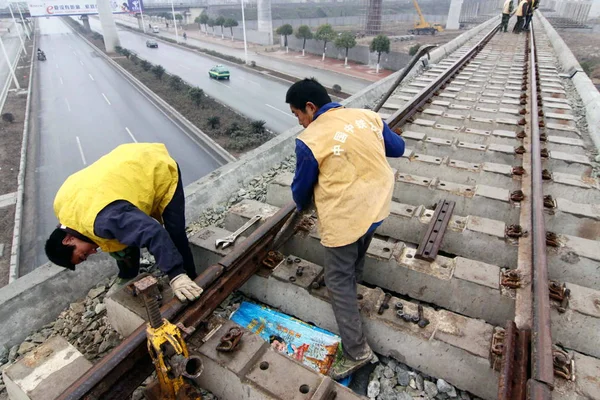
(155,29)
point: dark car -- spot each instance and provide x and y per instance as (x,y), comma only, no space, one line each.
(151,43)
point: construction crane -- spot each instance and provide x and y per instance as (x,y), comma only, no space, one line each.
(423,27)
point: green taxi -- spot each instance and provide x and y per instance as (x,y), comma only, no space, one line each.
(219,72)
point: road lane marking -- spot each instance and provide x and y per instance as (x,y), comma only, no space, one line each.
(131,134)
(80,150)
(61,81)
(248,80)
(221,83)
(68,105)
(57,66)
(80,62)
(281,111)
(183,66)
(106,98)
(91,77)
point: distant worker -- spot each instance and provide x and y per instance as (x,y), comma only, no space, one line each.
(533,5)
(118,204)
(521,13)
(341,162)
(507,9)
(184,36)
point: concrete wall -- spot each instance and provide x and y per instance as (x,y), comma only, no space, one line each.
(348,21)
(37,298)
(361,54)
(586,89)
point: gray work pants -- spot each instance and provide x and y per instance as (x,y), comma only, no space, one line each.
(343,270)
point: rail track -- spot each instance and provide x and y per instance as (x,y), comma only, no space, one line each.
(493,234)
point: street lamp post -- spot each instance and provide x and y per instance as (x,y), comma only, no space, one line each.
(142,15)
(174,22)
(244,31)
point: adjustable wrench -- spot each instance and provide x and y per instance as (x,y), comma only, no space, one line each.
(229,240)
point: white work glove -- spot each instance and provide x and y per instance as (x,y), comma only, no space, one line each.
(184,288)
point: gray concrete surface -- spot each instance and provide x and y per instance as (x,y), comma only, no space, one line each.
(45,372)
(585,88)
(463,285)
(257,372)
(37,298)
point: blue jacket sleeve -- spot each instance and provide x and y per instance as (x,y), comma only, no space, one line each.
(394,144)
(307,174)
(126,223)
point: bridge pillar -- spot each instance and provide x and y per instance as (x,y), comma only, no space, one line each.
(86,23)
(140,24)
(109,28)
(453,21)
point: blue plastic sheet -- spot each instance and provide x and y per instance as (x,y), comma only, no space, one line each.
(311,345)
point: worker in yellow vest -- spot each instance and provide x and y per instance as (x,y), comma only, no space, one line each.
(341,163)
(521,13)
(507,9)
(119,204)
(533,5)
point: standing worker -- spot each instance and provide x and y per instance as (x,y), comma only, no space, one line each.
(533,5)
(507,9)
(341,161)
(521,13)
(118,204)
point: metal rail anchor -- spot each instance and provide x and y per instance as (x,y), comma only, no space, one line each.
(230,239)
(168,351)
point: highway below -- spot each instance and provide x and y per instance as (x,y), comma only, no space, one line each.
(248,93)
(86,109)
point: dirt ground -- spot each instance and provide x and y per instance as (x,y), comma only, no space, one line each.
(586,47)
(11,135)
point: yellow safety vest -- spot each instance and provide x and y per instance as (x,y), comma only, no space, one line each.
(141,173)
(520,8)
(355,183)
(507,7)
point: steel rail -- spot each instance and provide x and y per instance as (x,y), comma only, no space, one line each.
(541,360)
(121,371)
(422,52)
(409,109)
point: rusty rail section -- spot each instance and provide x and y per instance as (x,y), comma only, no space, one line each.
(542,361)
(120,372)
(409,109)
(521,352)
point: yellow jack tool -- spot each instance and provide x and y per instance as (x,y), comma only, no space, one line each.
(168,350)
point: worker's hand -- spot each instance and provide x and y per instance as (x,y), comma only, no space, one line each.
(184,288)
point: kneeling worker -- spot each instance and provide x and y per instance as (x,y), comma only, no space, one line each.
(341,162)
(118,204)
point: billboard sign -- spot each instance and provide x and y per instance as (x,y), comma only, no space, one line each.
(48,8)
